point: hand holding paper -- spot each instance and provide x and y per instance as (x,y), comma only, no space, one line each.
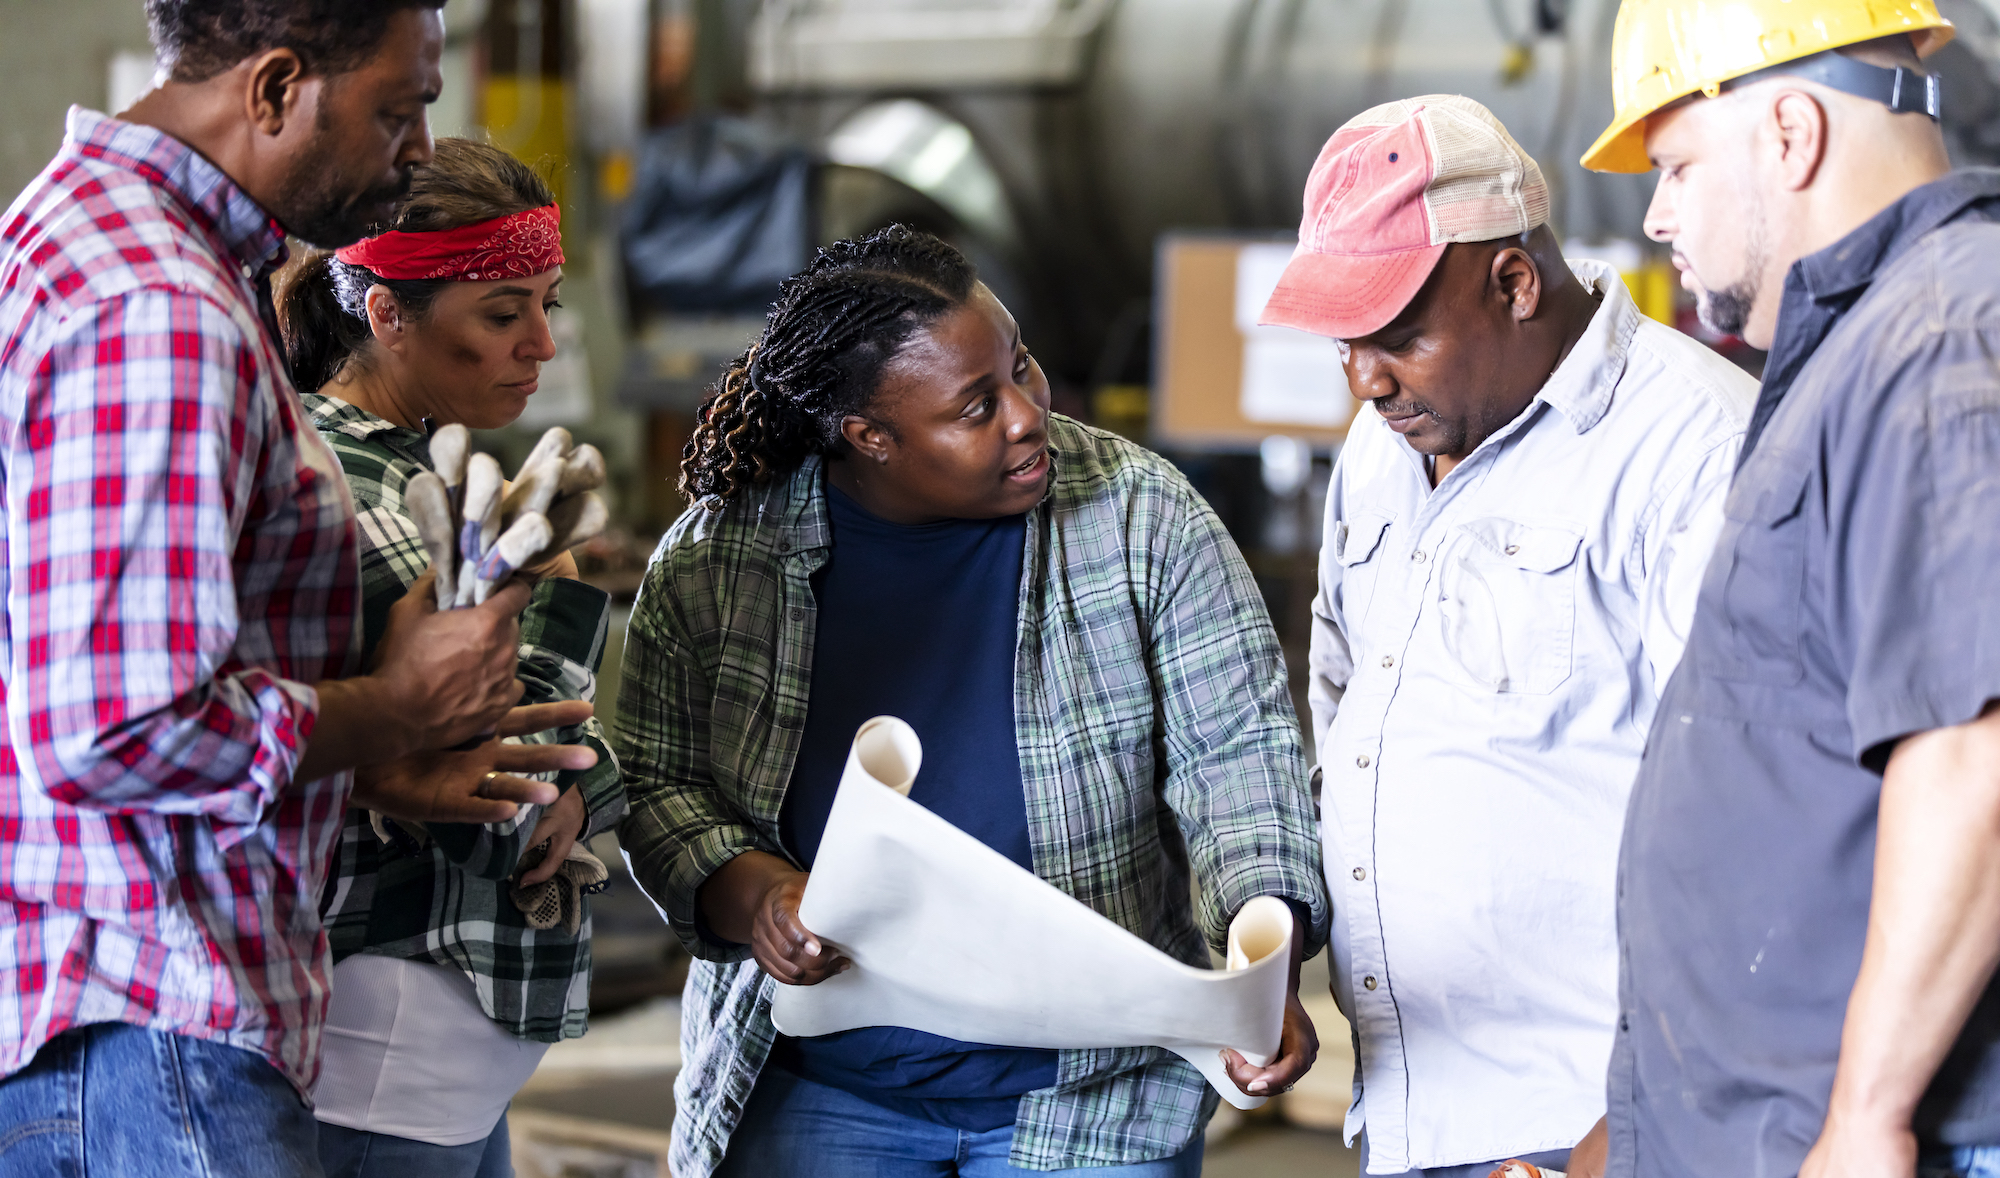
(950,937)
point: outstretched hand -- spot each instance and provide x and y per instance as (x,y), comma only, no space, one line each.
(477,785)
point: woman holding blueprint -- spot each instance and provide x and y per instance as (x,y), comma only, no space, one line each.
(890,522)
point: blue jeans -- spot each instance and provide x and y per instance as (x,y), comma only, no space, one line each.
(356,1153)
(794,1128)
(1965,1161)
(112,1098)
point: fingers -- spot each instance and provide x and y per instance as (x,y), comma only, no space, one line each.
(790,953)
(547,868)
(1298,1047)
(422,594)
(558,829)
(532,718)
(522,791)
(542,758)
(560,842)
(509,599)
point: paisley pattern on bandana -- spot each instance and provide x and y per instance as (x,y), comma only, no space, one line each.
(515,246)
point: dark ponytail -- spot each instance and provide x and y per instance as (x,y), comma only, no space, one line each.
(323,301)
(831,332)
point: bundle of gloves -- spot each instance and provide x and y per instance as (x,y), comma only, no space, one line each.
(480,530)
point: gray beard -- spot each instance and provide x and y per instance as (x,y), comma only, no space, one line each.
(1725,311)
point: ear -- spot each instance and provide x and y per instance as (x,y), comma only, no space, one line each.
(1517,279)
(274,90)
(870,439)
(385,319)
(1796,129)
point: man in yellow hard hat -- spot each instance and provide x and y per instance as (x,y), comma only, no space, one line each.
(1809,913)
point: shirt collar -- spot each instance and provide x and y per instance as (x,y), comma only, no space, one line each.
(1580,388)
(1851,262)
(247,234)
(331,413)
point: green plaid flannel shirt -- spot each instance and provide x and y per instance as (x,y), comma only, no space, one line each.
(446,901)
(1158,745)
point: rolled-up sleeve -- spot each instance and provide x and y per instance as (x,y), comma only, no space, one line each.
(1235,776)
(681,828)
(126,501)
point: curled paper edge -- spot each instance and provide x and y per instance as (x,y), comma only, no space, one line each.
(951,937)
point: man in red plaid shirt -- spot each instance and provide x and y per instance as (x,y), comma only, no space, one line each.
(183,710)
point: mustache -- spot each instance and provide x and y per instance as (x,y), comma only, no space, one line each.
(387,194)
(1388,408)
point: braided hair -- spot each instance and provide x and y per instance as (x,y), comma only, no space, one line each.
(833,329)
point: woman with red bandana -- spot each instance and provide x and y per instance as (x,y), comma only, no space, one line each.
(445,991)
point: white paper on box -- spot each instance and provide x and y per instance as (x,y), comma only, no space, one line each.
(951,937)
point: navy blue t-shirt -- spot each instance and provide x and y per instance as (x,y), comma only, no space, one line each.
(918,622)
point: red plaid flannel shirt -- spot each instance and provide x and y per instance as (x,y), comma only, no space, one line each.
(178,567)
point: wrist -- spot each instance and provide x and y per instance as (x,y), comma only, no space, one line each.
(1857,1106)
(388,710)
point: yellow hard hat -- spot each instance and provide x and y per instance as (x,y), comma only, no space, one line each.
(1663,50)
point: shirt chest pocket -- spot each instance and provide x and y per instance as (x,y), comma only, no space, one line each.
(1762,578)
(1507,604)
(1358,552)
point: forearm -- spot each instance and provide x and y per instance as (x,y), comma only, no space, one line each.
(730,898)
(1934,921)
(360,723)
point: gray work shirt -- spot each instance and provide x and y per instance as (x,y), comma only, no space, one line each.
(1853,599)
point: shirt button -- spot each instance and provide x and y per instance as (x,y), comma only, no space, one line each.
(1388,660)
(1418,556)
(1361,762)
(784,546)
(798,615)
(1369,981)
(1361,873)
(788,721)
(1513,550)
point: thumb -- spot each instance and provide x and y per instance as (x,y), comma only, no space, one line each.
(510,598)
(422,593)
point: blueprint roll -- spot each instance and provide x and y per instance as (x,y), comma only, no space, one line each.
(951,937)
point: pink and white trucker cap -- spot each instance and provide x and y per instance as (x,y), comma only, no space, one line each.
(1389,191)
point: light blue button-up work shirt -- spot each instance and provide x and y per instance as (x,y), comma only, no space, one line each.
(1486,660)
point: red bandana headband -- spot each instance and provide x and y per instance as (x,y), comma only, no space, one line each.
(515,246)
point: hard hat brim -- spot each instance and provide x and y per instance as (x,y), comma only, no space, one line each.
(1622,147)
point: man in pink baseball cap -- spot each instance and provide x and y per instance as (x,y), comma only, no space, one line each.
(1515,537)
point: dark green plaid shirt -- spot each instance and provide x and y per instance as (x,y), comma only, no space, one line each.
(1159,748)
(446,901)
